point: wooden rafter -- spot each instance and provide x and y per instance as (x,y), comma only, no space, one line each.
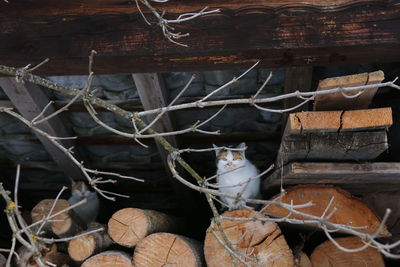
(30,100)
(153,94)
(280,33)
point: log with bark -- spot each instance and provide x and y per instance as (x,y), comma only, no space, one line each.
(49,254)
(165,249)
(349,210)
(128,226)
(262,240)
(109,258)
(327,254)
(79,249)
(64,225)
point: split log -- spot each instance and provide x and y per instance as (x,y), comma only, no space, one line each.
(349,210)
(327,254)
(338,101)
(79,249)
(128,226)
(48,254)
(341,120)
(165,249)
(262,240)
(3,260)
(64,225)
(109,258)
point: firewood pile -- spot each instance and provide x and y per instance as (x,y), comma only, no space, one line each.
(137,237)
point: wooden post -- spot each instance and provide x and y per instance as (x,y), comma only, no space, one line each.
(79,249)
(349,210)
(327,254)
(263,240)
(64,225)
(30,100)
(165,249)
(109,258)
(128,226)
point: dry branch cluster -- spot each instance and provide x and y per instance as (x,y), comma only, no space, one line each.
(294,213)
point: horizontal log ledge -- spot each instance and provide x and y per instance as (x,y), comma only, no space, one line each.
(336,173)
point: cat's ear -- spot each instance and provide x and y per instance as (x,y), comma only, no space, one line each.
(242,146)
(216,149)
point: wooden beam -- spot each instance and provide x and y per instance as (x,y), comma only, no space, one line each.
(153,94)
(343,146)
(337,100)
(279,33)
(30,100)
(346,175)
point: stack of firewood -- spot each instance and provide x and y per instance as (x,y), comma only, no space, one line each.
(132,237)
(137,237)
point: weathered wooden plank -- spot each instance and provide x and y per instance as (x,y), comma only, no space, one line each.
(30,100)
(280,33)
(332,146)
(347,175)
(338,101)
(334,121)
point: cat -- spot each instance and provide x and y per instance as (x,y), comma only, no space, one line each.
(89,210)
(234,169)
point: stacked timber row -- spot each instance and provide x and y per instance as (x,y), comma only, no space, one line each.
(325,151)
(149,232)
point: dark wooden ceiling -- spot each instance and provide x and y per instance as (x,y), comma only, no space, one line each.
(280,33)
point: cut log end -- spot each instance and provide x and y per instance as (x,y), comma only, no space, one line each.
(61,223)
(327,254)
(349,211)
(128,226)
(109,258)
(81,248)
(85,246)
(164,249)
(261,240)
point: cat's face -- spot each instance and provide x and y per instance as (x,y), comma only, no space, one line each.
(229,159)
(80,190)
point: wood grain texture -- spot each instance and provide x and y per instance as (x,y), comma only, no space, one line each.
(335,121)
(263,240)
(109,258)
(280,33)
(165,249)
(350,211)
(337,100)
(79,249)
(362,175)
(65,224)
(343,146)
(128,226)
(328,255)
